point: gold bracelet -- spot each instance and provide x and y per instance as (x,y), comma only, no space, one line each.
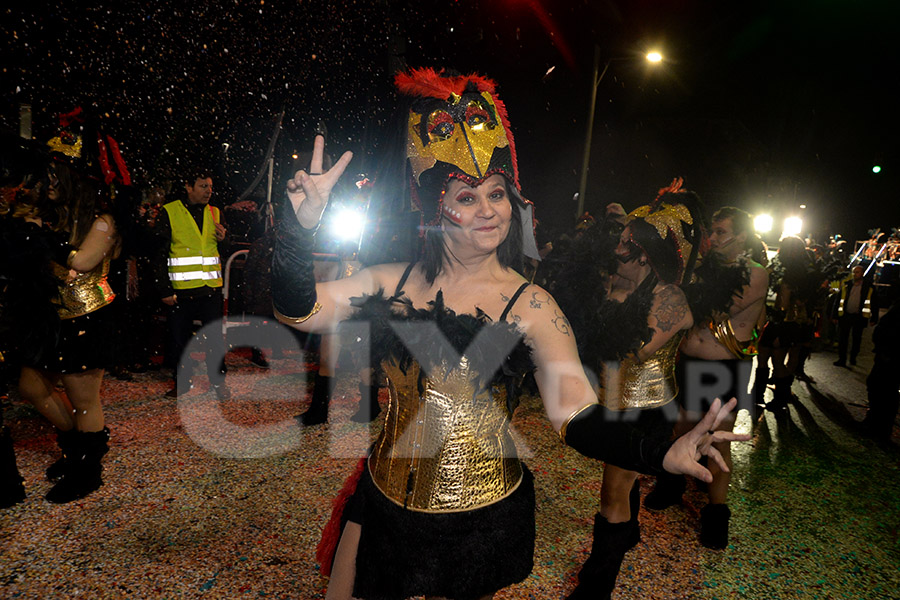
(295,320)
(71,258)
(565,425)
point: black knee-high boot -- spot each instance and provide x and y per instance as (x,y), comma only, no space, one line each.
(760,382)
(84,470)
(597,577)
(368,404)
(318,408)
(12,490)
(634,505)
(782,396)
(667,492)
(66,442)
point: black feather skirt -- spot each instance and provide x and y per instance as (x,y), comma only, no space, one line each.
(460,555)
(84,343)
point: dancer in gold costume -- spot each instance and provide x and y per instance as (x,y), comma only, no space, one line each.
(442,506)
(86,240)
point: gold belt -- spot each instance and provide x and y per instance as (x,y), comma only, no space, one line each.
(724,334)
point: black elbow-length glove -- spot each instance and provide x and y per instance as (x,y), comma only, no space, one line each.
(617,438)
(293,281)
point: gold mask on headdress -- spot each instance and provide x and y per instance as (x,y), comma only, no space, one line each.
(467,140)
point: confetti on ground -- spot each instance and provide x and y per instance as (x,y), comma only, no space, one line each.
(227,500)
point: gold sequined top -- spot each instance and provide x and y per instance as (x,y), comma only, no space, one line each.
(648,384)
(448,449)
(85,293)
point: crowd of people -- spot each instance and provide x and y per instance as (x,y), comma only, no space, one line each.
(639,333)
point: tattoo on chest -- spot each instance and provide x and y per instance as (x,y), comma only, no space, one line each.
(671,310)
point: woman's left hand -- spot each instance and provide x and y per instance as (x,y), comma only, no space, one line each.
(682,457)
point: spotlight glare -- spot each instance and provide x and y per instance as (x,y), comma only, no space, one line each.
(763,223)
(876,169)
(654,57)
(348,224)
(793,226)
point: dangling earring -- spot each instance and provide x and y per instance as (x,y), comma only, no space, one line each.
(642,262)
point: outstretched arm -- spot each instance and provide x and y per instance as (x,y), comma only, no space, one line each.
(587,426)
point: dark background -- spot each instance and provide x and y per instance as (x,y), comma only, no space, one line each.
(763,105)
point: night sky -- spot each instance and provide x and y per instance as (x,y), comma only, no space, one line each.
(763,105)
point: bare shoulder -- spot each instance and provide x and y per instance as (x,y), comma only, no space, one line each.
(669,295)
(670,309)
(535,309)
(759,279)
(105,222)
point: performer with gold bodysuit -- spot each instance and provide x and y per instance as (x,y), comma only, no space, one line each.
(642,304)
(442,506)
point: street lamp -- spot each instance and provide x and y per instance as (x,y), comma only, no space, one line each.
(651,57)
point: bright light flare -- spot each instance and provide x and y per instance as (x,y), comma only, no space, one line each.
(654,57)
(792,226)
(876,169)
(763,223)
(348,224)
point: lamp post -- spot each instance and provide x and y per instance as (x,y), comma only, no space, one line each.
(653,58)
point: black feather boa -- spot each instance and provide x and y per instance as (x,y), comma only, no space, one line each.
(458,330)
(606,330)
(714,286)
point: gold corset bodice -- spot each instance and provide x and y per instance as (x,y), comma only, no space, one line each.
(85,293)
(648,384)
(448,449)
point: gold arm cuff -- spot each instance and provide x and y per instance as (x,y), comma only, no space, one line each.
(295,320)
(71,258)
(565,425)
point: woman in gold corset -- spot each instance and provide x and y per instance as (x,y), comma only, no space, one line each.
(87,240)
(442,506)
(645,305)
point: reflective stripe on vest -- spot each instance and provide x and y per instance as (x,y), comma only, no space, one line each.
(192,248)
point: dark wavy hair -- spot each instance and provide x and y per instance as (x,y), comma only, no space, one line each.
(435,252)
(80,201)
(662,253)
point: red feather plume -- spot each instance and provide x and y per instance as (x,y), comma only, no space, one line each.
(428,83)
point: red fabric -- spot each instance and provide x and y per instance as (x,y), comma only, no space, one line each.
(124,175)
(108,175)
(331,535)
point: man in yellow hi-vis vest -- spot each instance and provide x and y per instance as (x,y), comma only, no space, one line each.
(191,285)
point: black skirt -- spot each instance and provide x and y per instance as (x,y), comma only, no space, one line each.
(460,555)
(84,343)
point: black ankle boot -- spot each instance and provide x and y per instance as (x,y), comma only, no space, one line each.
(12,490)
(368,404)
(65,440)
(714,526)
(317,412)
(83,473)
(597,577)
(667,492)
